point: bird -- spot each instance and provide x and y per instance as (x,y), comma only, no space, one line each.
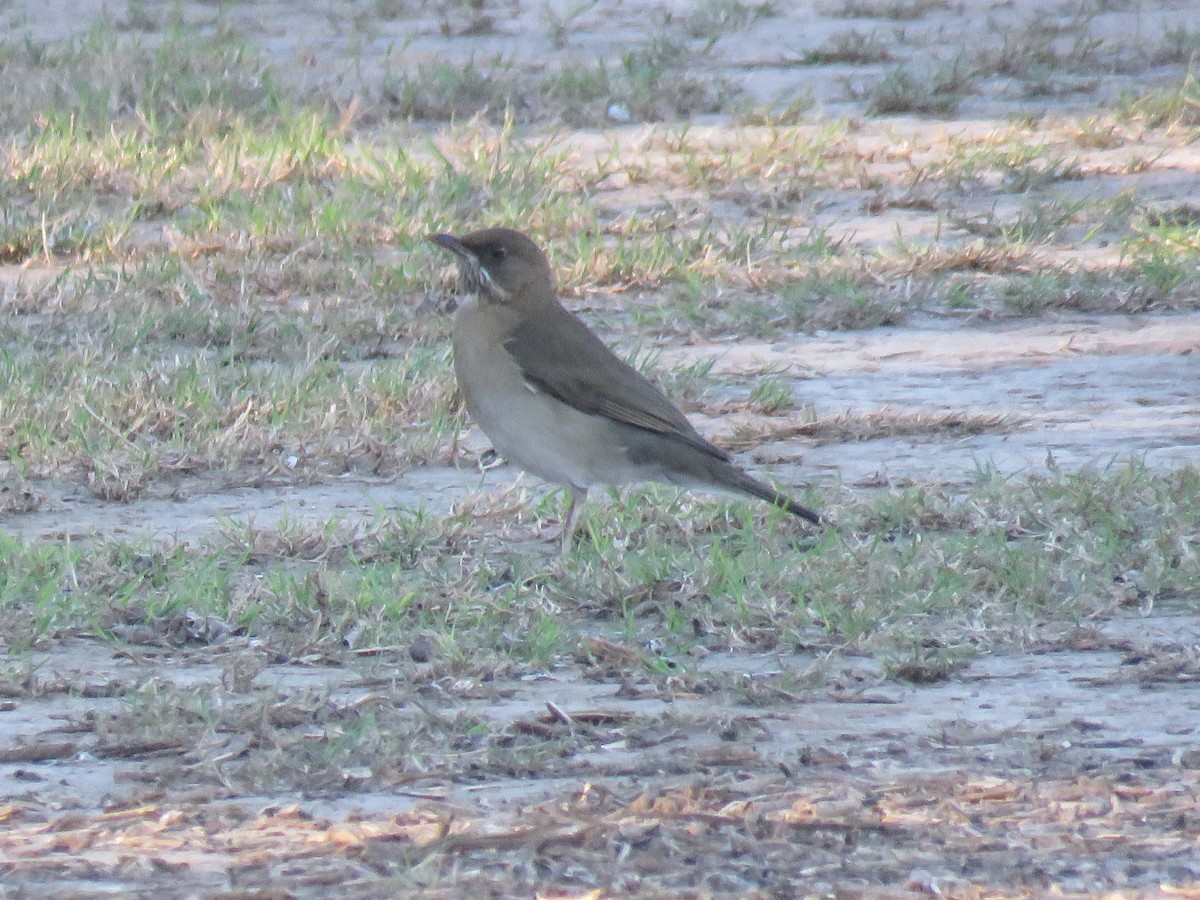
(555,401)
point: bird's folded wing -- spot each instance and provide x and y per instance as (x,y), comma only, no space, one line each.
(566,361)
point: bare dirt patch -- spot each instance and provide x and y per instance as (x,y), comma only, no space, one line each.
(1074,765)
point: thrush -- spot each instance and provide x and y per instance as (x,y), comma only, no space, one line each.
(558,403)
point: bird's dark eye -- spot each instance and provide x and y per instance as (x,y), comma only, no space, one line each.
(499,252)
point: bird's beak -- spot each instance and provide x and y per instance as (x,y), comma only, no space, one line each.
(451,243)
(475,277)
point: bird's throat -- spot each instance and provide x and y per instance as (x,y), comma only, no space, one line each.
(475,279)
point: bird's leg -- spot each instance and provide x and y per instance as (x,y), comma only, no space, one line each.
(578,498)
(458,409)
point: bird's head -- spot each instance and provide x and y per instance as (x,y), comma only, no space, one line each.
(501,265)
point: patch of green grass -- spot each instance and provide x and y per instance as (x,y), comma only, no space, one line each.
(1156,273)
(712,19)
(849,47)
(788,110)
(1037,293)
(789,302)
(563,21)
(106,76)
(840,302)
(685,385)
(923,665)
(212,410)
(772,393)
(906,90)
(1012,160)
(960,567)
(444,90)
(1045,43)
(655,80)
(966,567)
(1180,45)
(1025,169)
(1038,221)
(896,10)
(1164,251)
(582,91)
(1176,109)
(774,166)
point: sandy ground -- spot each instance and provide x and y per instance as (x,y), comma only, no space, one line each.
(1073,766)
(1086,745)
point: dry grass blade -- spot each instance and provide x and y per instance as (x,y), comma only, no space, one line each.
(883,423)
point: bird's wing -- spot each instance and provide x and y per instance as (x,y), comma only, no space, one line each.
(560,357)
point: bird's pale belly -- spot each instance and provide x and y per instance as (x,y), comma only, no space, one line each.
(535,432)
(554,442)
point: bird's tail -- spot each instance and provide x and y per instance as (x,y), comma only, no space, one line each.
(744,482)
